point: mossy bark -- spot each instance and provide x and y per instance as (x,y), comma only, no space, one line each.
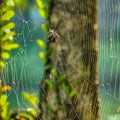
(74,54)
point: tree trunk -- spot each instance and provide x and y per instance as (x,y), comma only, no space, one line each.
(74,54)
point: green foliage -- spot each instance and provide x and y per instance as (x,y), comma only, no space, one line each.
(41,43)
(62,78)
(51,84)
(43,46)
(60,81)
(5,113)
(24,116)
(7,33)
(50,109)
(43,6)
(8,15)
(32,100)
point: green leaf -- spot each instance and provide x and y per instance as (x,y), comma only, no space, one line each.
(42,56)
(2,64)
(28,97)
(48,67)
(44,27)
(72,94)
(25,116)
(43,13)
(10,3)
(54,73)
(40,4)
(8,15)
(43,8)
(9,26)
(41,43)
(5,55)
(61,78)
(8,36)
(50,108)
(57,99)
(32,111)
(4,113)
(3,99)
(50,84)
(10,46)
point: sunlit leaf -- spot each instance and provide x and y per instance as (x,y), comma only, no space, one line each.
(41,43)
(8,15)
(10,3)
(43,13)
(24,116)
(7,30)
(42,56)
(2,64)
(32,111)
(8,36)
(9,26)
(44,27)
(40,4)
(10,46)
(3,99)
(5,55)
(28,97)
(5,113)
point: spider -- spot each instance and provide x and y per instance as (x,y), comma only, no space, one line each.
(52,36)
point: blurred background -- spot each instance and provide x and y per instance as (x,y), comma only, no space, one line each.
(109,57)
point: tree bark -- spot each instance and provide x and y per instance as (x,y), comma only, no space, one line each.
(74,54)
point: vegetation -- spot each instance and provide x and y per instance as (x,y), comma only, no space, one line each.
(7,44)
(5,113)
(57,98)
(7,31)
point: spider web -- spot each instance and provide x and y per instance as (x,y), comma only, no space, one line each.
(109,58)
(24,71)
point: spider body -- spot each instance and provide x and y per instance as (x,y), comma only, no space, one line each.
(52,36)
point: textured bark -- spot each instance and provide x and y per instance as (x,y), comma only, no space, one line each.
(74,54)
